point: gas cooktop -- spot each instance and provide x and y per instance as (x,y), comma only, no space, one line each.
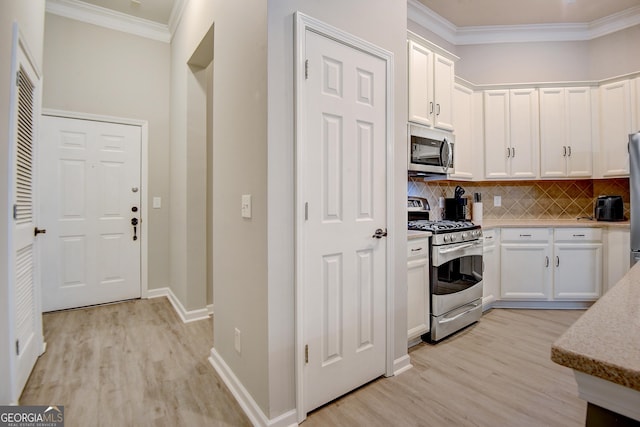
(444,226)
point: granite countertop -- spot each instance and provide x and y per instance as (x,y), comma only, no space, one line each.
(545,223)
(605,341)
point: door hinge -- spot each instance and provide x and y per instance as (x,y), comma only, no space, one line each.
(306,211)
(306,353)
(306,69)
(17,347)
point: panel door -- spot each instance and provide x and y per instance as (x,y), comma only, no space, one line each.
(345,175)
(443,80)
(91,187)
(579,137)
(553,144)
(615,126)
(496,134)
(578,271)
(525,271)
(421,107)
(524,133)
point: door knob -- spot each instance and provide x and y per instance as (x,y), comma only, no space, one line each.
(37,231)
(379,233)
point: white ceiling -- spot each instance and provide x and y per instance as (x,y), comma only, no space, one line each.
(463,13)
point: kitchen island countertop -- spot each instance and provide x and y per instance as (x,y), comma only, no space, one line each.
(605,341)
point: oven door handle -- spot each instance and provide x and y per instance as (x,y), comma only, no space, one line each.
(456,248)
(451,319)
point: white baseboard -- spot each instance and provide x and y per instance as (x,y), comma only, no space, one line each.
(210,309)
(185,315)
(245,400)
(402,364)
(544,305)
(488,302)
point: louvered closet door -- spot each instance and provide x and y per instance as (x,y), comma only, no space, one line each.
(25,290)
(91,186)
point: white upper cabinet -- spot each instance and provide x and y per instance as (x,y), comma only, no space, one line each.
(431,78)
(615,127)
(464,153)
(511,136)
(565,133)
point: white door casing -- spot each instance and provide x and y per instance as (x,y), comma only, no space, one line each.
(24,288)
(343,181)
(91,182)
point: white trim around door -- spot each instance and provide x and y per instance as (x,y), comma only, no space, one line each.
(304,23)
(144,177)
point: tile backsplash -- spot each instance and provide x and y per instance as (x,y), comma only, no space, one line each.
(566,199)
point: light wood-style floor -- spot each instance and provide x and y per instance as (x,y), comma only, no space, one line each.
(131,364)
(136,363)
(495,373)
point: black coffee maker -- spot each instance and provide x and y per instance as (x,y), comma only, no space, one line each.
(455,209)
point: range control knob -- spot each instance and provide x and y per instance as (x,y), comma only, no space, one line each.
(453,238)
(464,235)
(445,239)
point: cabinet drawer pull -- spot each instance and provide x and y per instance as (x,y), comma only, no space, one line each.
(416,250)
(578,235)
(525,235)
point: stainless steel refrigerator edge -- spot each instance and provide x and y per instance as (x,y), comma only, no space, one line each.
(634,187)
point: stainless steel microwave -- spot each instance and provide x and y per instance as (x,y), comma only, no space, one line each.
(430,150)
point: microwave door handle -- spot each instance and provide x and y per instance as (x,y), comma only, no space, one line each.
(446,162)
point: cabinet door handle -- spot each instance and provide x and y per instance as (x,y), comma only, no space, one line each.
(546,261)
(438,108)
(431,107)
(508,152)
(569,152)
(564,151)
(513,152)
(557,261)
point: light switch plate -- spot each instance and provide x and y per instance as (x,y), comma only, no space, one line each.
(246,206)
(157,202)
(497,201)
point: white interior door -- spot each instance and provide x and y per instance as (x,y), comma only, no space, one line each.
(25,311)
(90,193)
(345,185)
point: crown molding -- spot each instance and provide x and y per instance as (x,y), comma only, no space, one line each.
(84,12)
(179,7)
(428,19)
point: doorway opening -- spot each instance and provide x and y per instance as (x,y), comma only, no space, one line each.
(200,172)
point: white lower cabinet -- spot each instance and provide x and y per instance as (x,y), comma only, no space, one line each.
(418,304)
(577,273)
(491,270)
(525,257)
(617,255)
(551,264)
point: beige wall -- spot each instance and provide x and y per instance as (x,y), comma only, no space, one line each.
(30,18)
(383,23)
(239,167)
(601,58)
(615,54)
(95,70)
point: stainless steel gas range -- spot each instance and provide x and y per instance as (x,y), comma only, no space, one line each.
(456,275)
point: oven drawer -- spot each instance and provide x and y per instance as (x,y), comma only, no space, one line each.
(448,323)
(418,248)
